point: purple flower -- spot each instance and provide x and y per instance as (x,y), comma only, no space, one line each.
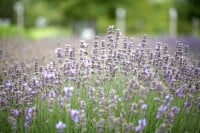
(35,82)
(161,111)
(15,112)
(175,110)
(75,115)
(146,70)
(8,84)
(141,124)
(68,91)
(87,62)
(144,106)
(33,92)
(28,116)
(50,75)
(187,104)
(168,100)
(61,101)
(60,126)
(58,52)
(52,95)
(179,92)
(27,120)
(43,97)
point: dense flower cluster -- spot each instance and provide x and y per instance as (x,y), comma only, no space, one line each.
(103,86)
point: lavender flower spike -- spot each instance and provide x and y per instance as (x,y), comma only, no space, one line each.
(68,91)
(75,115)
(141,124)
(144,106)
(15,112)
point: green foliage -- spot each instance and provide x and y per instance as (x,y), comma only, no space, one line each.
(143,16)
(6,9)
(13,31)
(35,9)
(147,17)
(187,10)
(33,33)
(48,32)
(8,31)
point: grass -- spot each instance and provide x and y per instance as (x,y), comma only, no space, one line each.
(8,31)
(48,32)
(33,33)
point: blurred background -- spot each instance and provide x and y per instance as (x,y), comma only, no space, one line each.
(36,19)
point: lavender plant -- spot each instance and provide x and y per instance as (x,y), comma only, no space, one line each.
(116,84)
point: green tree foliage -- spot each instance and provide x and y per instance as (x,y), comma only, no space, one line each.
(96,13)
(51,10)
(149,16)
(187,10)
(91,9)
(6,9)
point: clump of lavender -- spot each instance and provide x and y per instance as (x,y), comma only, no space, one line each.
(30,114)
(118,80)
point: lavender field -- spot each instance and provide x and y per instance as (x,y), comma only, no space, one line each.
(112,84)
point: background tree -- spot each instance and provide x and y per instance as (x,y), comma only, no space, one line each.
(142,16)
(187,10)
(97,13)
(6,9)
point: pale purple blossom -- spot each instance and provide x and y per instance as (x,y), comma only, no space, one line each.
(68,91)
(161,110)
(60,126)
(58,52)
(141,125)
(15,112)
(35,82)
(168,99)
(187,104)
(61,101)
(29,116)
(144,106)
(8,85)
(175,110)
(51,75)
(179,92)
(52,95)
(75,115)
(27,120)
